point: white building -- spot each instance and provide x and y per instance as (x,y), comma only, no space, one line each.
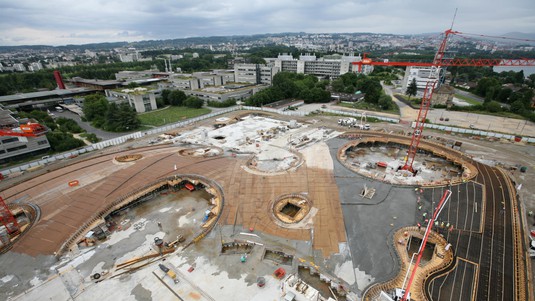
(422,76)
(254,73)
(36,66)
(19,67)
(329,66)
(138,98)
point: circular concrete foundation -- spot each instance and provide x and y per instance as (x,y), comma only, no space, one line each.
(384,158)
(274,162)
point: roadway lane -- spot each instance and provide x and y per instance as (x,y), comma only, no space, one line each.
(484,246)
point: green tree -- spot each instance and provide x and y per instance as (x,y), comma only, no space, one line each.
(385,102)
(484,84)
(165,96)
(372,87)
(193,102)
(283,82)
(493,106)
(517,107)
(177,97)
(412,89)
(95,106)
(69,125)
(503,94)
(128,119)
(61,141)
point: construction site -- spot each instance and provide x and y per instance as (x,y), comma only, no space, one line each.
(256,205)
(258,209)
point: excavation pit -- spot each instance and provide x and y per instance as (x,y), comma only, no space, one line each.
(414,244)
(383,159)
(128,158)
(208,151)
(291,209)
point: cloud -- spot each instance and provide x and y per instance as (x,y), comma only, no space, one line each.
(59,22)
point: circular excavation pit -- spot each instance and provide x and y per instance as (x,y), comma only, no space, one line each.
(384,161)
(274,161)
(291,208)
(180,208)
(208,151)
(128,158)
(24,217)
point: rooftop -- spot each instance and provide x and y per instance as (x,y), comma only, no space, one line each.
(43,94)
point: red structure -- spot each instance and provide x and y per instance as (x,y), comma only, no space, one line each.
(439,61)
(8,220)
(419,128)
(443,202)
(59,80)
(189,186)
(26,130)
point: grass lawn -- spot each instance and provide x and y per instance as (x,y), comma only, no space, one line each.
(467,99)
(170,115)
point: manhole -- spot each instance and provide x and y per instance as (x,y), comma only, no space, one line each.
(291,208)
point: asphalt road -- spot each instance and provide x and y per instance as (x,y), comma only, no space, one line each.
(103,135)
(483,245)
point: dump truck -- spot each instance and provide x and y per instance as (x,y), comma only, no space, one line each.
(169,272)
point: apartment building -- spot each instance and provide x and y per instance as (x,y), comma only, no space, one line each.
(422,75)
(254,73)
(328,67)
(141,99)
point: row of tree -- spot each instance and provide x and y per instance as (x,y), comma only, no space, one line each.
(179,98)
(110,116)
(286,85)
(370,86)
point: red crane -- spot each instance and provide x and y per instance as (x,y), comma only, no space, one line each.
(438,62)
(420,252)
(8,220)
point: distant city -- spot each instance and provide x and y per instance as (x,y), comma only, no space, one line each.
(37,57)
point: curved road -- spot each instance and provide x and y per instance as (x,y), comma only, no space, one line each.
(104,135)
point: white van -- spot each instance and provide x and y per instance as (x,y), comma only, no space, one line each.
(59,109)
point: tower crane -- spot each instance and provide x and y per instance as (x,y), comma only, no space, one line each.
(8,220)
(439,61)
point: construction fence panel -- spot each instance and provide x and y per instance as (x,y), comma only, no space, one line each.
(473,132)
(357,114)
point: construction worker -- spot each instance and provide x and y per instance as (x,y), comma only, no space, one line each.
(419,227)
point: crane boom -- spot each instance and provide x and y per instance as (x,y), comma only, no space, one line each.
(450,62)
(438,62)
(441,205)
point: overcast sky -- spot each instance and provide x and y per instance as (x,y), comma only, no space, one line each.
(60,22)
